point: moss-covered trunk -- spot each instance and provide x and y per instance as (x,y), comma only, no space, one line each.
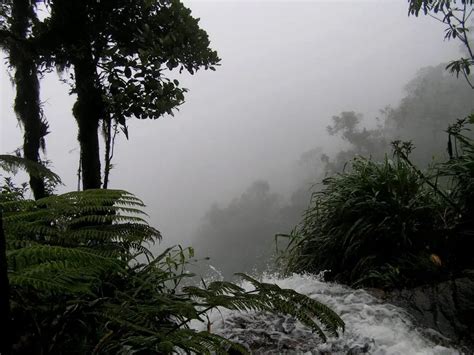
(88,111)
(27,101)
(89,107)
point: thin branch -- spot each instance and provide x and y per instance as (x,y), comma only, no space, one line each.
(466,39)
(467,79)
(469,15)
(79,175)
(436,18)
(422,176)
(109,148)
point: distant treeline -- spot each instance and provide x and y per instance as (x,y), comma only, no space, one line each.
(241,235)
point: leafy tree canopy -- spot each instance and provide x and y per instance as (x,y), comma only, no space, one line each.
(134,44)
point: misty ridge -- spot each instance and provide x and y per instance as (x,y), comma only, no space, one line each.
(246,233)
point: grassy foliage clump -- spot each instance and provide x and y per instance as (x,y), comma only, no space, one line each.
(387,224)
(376,224)
(459,169)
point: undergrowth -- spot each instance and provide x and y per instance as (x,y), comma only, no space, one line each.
(83,280)
(387,224)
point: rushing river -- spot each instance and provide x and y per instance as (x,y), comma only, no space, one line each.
(372,327)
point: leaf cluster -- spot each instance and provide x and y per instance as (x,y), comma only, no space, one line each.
(426,6)
(455,15)
(134,45)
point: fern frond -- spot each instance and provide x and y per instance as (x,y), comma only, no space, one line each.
(58,269)
(207,343)
(92,218)
(41,282)
(38,254)
(10,203)
(11,164)
(269,298)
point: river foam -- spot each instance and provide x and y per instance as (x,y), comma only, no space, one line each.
(372,326)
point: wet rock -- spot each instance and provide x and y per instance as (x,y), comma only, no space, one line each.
(446,307)
(376,292)
(357,350)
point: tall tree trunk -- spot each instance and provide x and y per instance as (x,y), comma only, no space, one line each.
(88,110)
(27,101)
(5,318)
(28,109)
(110,132)
(74,19)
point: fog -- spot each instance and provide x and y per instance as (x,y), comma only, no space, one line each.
(287,68)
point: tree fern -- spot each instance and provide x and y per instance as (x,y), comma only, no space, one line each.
(107,220)
(80,284)
(57,269)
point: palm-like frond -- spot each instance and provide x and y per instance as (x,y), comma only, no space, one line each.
(68,243)
(11,163)
(97,219)
(269,298)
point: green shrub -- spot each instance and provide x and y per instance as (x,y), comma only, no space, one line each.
(377,224)
(459,169)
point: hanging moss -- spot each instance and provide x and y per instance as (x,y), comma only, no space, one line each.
(27,101)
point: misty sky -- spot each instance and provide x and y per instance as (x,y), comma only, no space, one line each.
(286,68)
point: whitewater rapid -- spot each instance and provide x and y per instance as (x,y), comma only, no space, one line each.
(372,326)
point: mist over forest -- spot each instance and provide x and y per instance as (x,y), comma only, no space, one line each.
(260,136)
(247,225)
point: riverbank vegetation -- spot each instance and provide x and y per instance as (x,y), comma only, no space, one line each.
(390,222)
